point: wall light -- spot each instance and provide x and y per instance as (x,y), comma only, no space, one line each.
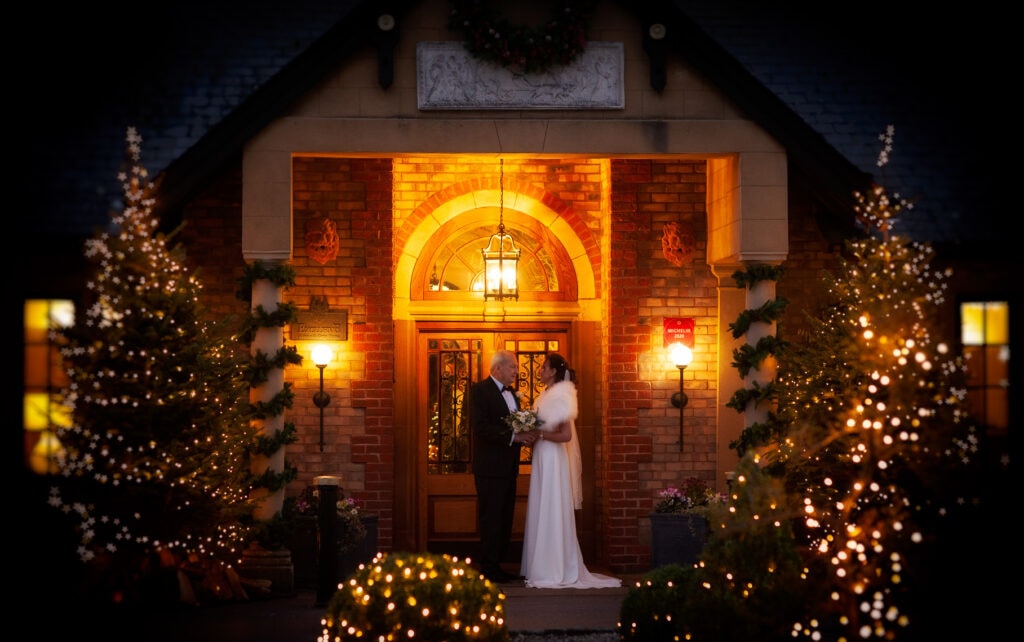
(321,357)
(501,258)
(681,356)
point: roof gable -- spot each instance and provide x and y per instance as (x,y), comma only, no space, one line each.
(205,95)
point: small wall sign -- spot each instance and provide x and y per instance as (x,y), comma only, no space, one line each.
(319,323)
(679,330)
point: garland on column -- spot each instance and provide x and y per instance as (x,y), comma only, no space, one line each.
(748,357)
(271,534)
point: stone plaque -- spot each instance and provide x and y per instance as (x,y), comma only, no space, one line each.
(448,77)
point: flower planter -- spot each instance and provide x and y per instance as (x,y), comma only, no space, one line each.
(677,538)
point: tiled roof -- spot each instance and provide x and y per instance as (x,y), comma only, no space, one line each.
(851,70)
(173,75)
(180,77)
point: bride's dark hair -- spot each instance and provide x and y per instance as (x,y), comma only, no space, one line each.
(562,370)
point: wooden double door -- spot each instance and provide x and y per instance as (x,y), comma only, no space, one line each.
(449,360)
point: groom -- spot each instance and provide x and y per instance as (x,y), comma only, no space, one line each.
(496,461)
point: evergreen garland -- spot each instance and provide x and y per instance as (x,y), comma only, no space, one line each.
(747,356)
(756,393)
(267,446)
(770,312)
(261,364)
(274,481)
(488,36)
(755,273)
(271,534)
(285,313)
(276,406)
(281,275)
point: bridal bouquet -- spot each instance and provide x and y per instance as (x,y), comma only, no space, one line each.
(522,421)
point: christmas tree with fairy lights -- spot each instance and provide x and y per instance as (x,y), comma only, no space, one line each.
(880,455)
(865,507)
(153,471)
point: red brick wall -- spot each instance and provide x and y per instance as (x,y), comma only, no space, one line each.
(211,234)
(642,288)
(810,256)
(638,287)
(356,195)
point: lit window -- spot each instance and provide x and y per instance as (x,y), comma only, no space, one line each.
(985,334)
(43,413)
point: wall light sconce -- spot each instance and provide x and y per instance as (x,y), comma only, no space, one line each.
(321,357)
(681,356)
(501,257)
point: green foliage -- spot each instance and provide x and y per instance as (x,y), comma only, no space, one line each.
(270,534)
(268,445)
(849,498)
(282,275)
(261,364)
(747,357)
(273,480)
(871,451)
(274,533)
(282,315)
(654,609)
(879,446)
(281,401)
(756,393)
(751,582)
(760,434)
(156,458)
(416,596)
(487,35)
(756,273)
(769,312)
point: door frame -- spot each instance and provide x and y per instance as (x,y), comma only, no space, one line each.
(409,525)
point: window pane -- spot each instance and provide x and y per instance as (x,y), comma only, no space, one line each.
(985,334)
(998,407)
(997,323)
(43,377)
(972,324)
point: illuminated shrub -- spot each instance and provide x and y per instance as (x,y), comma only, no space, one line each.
(416,596)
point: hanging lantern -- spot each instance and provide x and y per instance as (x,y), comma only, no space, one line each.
(501,258)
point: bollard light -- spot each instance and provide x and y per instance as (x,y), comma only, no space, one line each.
(328,487)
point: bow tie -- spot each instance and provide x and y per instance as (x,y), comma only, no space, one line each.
(507,389)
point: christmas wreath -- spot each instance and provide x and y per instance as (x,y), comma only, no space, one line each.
(489,36)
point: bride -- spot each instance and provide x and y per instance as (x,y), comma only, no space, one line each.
(551,550)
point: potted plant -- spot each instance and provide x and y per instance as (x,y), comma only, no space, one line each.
(679,523)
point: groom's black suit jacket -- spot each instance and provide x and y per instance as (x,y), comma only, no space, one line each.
(493,456)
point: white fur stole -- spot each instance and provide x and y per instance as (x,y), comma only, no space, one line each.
(557,404)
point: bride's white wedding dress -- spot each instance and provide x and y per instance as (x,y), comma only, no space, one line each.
(551,550)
